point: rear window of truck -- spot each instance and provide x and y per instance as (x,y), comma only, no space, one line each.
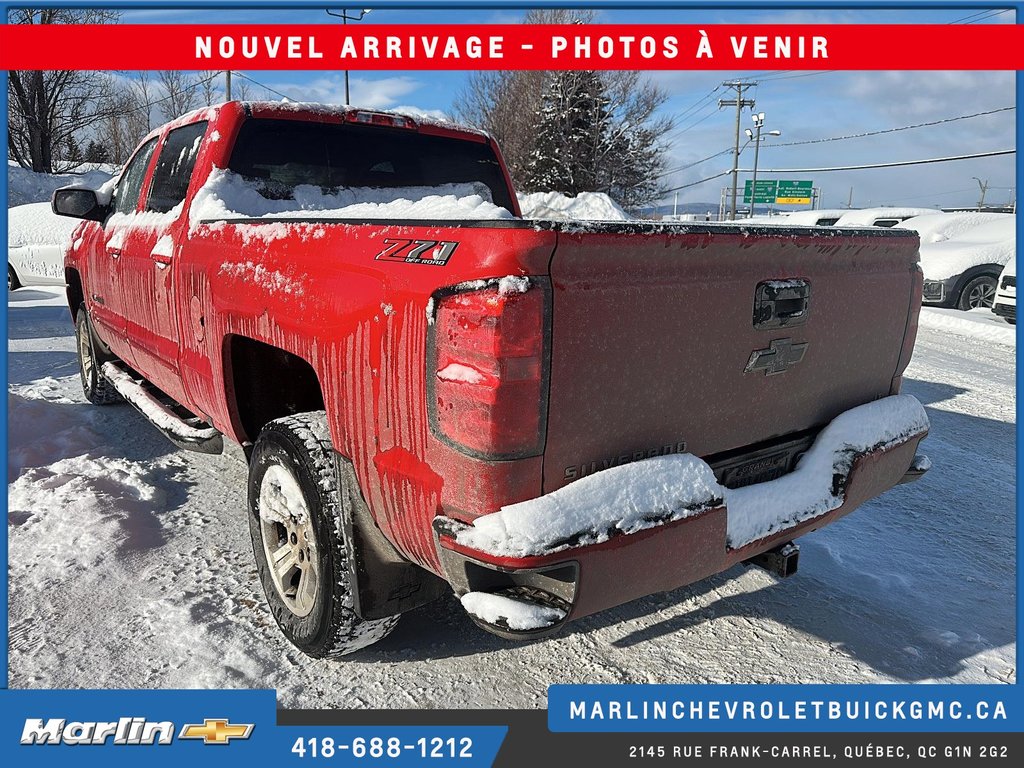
(280,155)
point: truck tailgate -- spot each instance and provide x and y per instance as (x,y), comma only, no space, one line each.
(667,340)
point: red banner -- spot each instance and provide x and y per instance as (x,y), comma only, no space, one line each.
(512,46)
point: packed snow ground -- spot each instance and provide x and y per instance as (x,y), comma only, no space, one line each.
(131,565)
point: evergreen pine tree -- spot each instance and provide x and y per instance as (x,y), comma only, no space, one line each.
(581,145)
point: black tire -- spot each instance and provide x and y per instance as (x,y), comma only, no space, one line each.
(317,616)
(979,292)
(12,279)
(95,386)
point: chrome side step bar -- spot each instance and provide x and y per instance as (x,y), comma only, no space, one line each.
(183,429)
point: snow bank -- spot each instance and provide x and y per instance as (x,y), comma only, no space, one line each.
(25,186)
(515,614)
(865,216)
(587,206)
(939,227)
(994,242)
(227,195)
(36,224)
(978,324)
(632,497)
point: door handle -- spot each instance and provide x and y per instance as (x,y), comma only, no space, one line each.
(781,303)
(114,252)
(161,261)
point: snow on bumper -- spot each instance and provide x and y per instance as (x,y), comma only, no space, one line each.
(664,522)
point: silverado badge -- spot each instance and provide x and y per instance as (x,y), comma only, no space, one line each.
(781,355)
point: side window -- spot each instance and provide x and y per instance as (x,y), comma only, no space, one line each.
(126,194)
(174,167)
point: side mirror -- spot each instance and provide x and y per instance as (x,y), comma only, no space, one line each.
(79,203)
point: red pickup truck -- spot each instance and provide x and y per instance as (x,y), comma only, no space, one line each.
(434,393)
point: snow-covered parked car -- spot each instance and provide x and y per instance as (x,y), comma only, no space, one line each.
(1005,303)
(821,217)
(880,217)
(962,256)
(36,241)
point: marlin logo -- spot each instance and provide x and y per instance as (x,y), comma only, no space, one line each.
(130,730)
(779,357)
(126,730)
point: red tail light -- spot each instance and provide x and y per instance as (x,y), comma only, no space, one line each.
(488,374)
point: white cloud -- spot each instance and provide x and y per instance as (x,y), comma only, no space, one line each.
(329,88)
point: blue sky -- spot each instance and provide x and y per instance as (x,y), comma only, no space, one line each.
(804,107)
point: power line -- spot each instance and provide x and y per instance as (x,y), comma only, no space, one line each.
(897,164)
(982,15)
(894,130)
(265,87)
(695,162)
(695,183)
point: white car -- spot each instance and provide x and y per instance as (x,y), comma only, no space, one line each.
(962,263)
(37,239)
(1005,303)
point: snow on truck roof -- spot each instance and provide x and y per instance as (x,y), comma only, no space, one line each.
(418,117)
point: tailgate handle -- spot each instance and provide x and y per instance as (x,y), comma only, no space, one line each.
(781,303)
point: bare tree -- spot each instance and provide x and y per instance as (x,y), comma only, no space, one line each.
(143,85)
(49,111)
(627,134)
(208,89)
(127,121)
(180,93)
(240,90)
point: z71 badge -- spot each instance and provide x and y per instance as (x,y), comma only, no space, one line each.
(433,252)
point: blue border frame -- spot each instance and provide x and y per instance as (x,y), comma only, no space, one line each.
(1018,5)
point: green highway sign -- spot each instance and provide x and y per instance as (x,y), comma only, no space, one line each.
(779,192)
(794,192)
(766,191)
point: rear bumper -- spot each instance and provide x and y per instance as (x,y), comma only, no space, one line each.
(667,555)
(1008,311)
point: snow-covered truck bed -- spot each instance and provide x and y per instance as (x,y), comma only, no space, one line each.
(435,393)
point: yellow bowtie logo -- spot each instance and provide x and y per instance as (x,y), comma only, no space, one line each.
(216,731)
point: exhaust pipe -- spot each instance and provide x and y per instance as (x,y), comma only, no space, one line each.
(781,561)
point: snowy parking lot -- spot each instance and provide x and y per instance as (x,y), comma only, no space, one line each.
(131,566)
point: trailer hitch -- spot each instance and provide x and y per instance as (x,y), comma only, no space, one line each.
(781,561)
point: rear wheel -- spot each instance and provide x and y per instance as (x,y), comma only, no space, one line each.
(979,292)
(95,386)
(12,279)
(295,520)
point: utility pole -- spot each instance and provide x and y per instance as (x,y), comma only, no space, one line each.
(756,138)
(227,84)
(345,19)
(739,102)
(983,185)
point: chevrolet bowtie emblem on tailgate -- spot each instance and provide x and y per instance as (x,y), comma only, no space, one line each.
(216,731)
(781,355)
